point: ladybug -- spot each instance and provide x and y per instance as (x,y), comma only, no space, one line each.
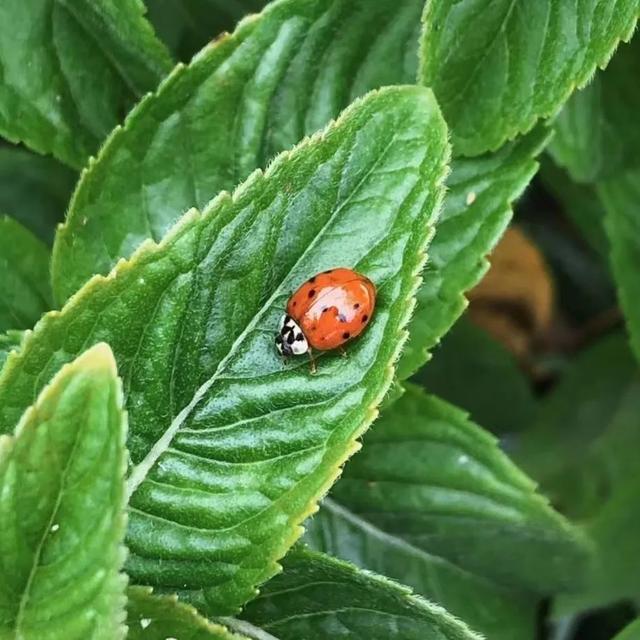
(327,311)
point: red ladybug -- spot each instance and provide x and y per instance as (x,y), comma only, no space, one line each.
(328,310)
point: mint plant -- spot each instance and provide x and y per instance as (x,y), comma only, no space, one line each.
(163,473)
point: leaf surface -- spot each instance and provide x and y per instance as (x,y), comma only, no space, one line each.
(158,617)
(596,133)
(242,100)
(498,67)
(621,199)
(34,190)
(25,293)
(62,509)
(432,500)
(318,597)
(231,448)
(71,70)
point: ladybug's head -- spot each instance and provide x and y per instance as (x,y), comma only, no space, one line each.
(290,340)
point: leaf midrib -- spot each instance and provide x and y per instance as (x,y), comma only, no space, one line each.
(140,471)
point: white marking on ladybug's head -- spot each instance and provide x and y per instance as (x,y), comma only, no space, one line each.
(290,341)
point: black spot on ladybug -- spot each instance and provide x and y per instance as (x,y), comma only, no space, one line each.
(364,318)
(295,303)
(312,280)
(346,335)
(356,305)
(342,317)
(325,309)
(312,293)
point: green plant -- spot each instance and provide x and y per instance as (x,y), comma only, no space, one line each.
(391,137)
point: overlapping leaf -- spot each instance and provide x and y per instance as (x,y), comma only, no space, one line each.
(230,447)
(246,97)
(62,509)
(497,67)
(319,597)
(432,500)
(34,190)
(477,210)
(25,293)
(71,70)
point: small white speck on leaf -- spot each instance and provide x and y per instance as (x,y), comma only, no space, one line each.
(145,622)
(54,528)
(463,459)
(471,198)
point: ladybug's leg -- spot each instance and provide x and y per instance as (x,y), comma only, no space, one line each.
(312,362)
(343,352)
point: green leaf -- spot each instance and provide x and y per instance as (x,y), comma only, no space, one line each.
(432,500)
(158,617)
(188,25)
(9,342)
(631,632)
(319,597)
(621,199)
(475,372)
(62,509)
(25,293)
(497,67)
(34,190)
(71,70)
(476,212)
(596,133)
(231,448)
(241,101)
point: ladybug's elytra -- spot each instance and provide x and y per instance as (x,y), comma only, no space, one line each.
(328,310)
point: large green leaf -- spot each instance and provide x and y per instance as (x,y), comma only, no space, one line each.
(319,597)
(477,210)
(62,500)
(25,293)
(431,500)
(155,617)
(242,100)
(497,67)
(71,70)
(34,190)
(621,199)
(188,25)
(597,133)
(231,448)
